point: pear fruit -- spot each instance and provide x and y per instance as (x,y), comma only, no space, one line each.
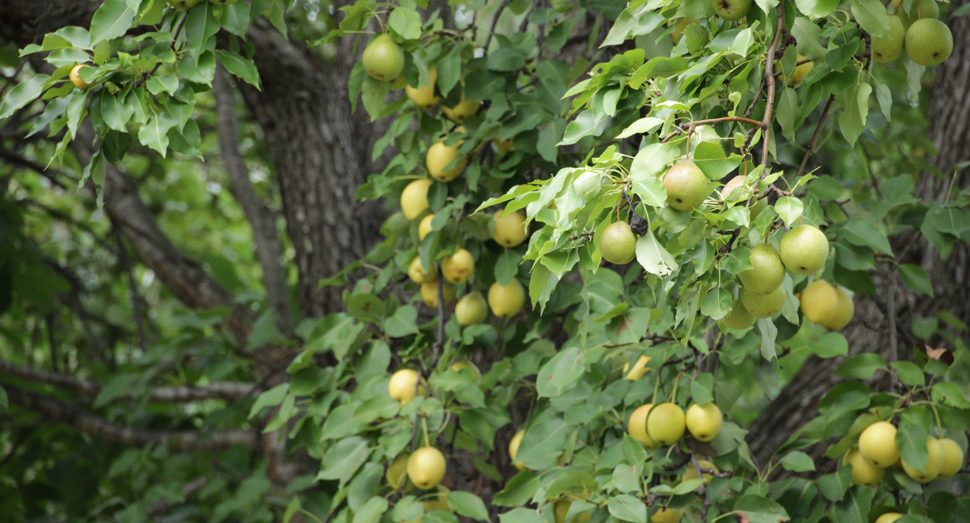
(691,473)
(667,515)
(804,249)
(739,318)
(877,443)
(763,305)
(888,517)
(438,501)
(703,421)
(383,59)
(76,79)
(919,9)
(928,42)
(666,423)
(184,4)
(458,267)
(736,183)
(819,301)
(440,156)
(506,300)
(863,471)
(686,186)
(885,50)
(465,364)
(844,312)
(425,228)
(514,449)
(801,71)
(471,309)
(429,293)
(934,465)
(510,230)
(766,272)
(397,472)
(426,467)
(637,426)
(464,109)
(503,146)
(732,9)
(424,96)
(639,369)
(952,458)
(414,198)
(418,274)
(618,244)
(402,385)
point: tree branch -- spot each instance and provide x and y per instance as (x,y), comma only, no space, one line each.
(62,411)
(811,144)
(770,100)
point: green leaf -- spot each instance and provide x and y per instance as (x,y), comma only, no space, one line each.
(154,134)
(760,509)
(4,401)
(372,511)
(628,508)
(507,267)
(653,257)
(642,126)
(403,322)
(808,34)
(587,123)
(270,398)
(713,162)
(626,477)
(909,373)
(797,461)
(111,20)
(872,16)
(242,68)
(855,508)
(855,102)
(200,25)
(865,234)
(702,388)
(861,366)
(768,334)
(789,209)
(468,505)
(518,490)
(21,95)
(343,459)
(816,8)
(560,373)
(406,22)
(834,486)
(543,443)
(521,515)
(911,441)
(915,279)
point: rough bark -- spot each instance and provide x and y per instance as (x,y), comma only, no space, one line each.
(950,131)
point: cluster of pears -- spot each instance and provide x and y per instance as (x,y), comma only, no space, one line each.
(877,450)
(927,40)
(732,9)
(829,306)
(664,424)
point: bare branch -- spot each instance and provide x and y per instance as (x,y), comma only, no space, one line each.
(62,411)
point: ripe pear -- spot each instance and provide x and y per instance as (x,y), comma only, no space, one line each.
(639,369)
(667,515)
(863,471)
(766,272)
(426,467)
(934,464)
(952,458)
(397,472)
(418,274)
(618,244)
(424,96)
(425,228)
(514,449)
(686,186)
(763,305)
(429,293)
(888,517)
(877,443)
(801,71)
(637,426)
(414,199)
(458,267)
(383,59)
(471,309)
(704,421)
(885,50)
(691,473)
(401,386)
(804,249)
(844,312)
(737,182)
(76,79)
(666,423)
(510,229)
(739,318)
(464,109)
(506,300)
(184,4)
(928,42)
(819,301)
(440,156)
(732,9)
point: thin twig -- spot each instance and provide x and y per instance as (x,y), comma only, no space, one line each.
(770,101)
(893,356)
(689,127)
(498,13)
(818,128)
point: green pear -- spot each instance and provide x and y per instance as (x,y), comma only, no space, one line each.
(383,59)
(686,186)
(766,272)
(918,10)
(804,249)
(763,305)
(618,244)
(732,9)
(928,42)
(885,50)
(739,318)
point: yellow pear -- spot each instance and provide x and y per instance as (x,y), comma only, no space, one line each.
(934,465)
(429,293)
(952,458)
(877,443)
(804,249)
(418,274)
(514,449)
(503,146)
(704,421)
(438,501)
(425,228)
(888,517)
(424,96)
(76,79)
(397,472)
(801,71)
(471,309)
(506,300)
(402,385)
(863,471)
(383,59)
(666,423)
(457,367)
(440,156)
(637,426)
(464,109)
(510,229)
(691,472)
(844,312)
(819,301)
(667,515)
(414,199)
(458,267)
(426,467)
(639,369)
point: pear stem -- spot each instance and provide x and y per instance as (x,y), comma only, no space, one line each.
(424,428)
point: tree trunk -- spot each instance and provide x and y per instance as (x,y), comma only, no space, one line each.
(869,331)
